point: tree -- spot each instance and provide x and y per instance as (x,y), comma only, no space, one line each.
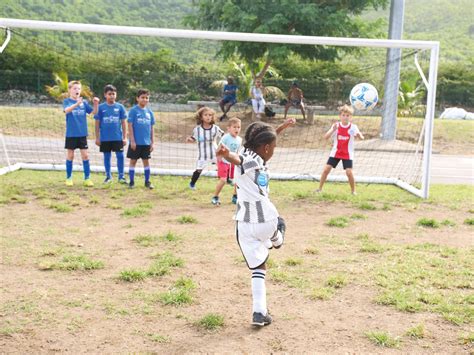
(291,17)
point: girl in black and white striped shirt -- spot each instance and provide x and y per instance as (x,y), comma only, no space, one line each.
(205,134)
(259,226)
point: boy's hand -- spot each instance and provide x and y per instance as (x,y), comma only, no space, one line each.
(79,100)
(334,126)
(95,100)
(124,141)
(97,142)
(151,147)
(133,145)
(189,139)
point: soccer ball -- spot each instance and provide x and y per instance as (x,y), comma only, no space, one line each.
(364,97)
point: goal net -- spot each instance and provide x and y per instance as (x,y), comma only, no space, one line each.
(397,145)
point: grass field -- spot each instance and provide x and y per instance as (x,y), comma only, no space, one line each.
(108,270)
(450,137)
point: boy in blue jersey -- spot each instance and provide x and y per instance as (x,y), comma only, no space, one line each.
(225,170)
(110,132)
(230,97)
(140,127)
(76,110)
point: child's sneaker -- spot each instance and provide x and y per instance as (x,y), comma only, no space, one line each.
(148,185)
(354,193)
(88,183)
(108,180)
(234,199)
(268,244)
(122,181)
(69,182)
(131,185)
(215,201)
(192,186)
(318,191)
(259,320)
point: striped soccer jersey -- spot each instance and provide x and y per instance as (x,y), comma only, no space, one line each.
(343,137)
(206,140)
(251,178)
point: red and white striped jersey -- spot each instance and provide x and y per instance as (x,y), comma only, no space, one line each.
(343,138)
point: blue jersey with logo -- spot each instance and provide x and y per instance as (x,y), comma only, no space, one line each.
(110,118)
(76,120)
(142,120)
(231,142)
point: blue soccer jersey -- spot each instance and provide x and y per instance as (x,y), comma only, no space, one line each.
(110,118)
(232,88)
(231,142)
(76,120)
(142,120)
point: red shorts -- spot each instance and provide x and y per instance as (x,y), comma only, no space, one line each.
(225,170)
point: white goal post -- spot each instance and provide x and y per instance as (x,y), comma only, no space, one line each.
(430,81)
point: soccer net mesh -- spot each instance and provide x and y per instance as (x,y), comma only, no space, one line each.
(191,75)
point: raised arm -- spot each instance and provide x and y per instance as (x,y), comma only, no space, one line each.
(73,106)
(288,123)
(96,101)
(224,152)
(331,131)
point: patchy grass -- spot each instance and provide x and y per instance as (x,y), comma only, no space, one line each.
(72,263)
(469,221)
(142,209)
(321,293)
(416,332)
(311,251)
(132,275)
(157,338)
(358,216)
(170,237)
(211,322)
(293,261)
(339,222)
(383,339)
(146,240)
(467,338)
(336,281)
(181,293)
(187,220)
(370,246)
(366,206)
(448,223)
(60,207)
(428,223)
(427,277)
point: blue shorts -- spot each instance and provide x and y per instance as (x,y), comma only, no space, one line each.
(229,100)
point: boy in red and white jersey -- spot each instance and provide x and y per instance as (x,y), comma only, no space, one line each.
(343,134)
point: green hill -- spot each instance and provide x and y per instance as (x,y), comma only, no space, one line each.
(449,21)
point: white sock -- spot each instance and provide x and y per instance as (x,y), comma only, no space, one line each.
(277,239)
(259,292)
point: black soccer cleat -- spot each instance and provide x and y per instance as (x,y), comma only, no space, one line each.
(259,320)
(149,185)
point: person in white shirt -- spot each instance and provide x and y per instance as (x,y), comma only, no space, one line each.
(258,102)
(259,226)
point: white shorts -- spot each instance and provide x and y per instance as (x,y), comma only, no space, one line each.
(201,164)
(252,237)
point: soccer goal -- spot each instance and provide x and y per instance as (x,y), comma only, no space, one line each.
(398,142)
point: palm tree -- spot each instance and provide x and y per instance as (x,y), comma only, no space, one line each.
(410,93)
(246,78)
(60,91)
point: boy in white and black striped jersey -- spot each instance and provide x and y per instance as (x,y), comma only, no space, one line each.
(206,133)
(259,226)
